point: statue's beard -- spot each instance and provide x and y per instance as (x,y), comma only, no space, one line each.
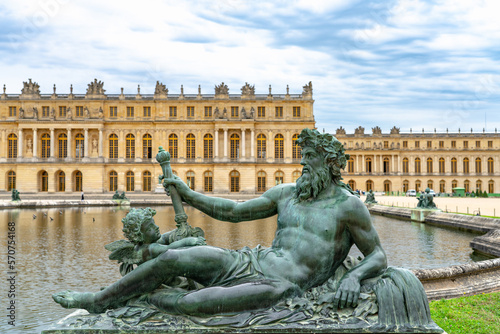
(311,183)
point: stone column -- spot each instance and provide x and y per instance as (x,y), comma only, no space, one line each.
(216,144)
(270,145)
(139,154)
(100,144)
(121,145)
(252,143)
(20,144)
(243,143)
(52,150)
(35,142)
(287,149)
(86,143)
(363,164)
(381,164)
(225,143)
(70,144)
(392,169)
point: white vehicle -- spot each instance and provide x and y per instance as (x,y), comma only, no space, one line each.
(411,192)
(432,192)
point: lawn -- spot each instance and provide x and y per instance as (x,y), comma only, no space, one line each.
(468,315)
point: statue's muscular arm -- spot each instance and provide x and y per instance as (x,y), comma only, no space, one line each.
(361,229)
(228,210)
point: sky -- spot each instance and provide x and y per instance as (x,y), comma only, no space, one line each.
(406,63)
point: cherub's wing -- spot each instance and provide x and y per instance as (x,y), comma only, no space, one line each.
(123,251)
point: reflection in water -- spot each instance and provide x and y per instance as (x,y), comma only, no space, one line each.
(68,252)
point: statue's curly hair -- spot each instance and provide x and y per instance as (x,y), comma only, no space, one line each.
(333,152)
(133,221)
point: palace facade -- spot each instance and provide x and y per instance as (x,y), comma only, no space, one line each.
(98,142)
(395,161)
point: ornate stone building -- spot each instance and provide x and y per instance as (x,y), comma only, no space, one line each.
(441,161)
(98,142)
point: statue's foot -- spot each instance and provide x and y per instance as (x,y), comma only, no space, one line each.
(73,299)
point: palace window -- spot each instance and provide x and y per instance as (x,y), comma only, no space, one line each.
(190,146)
(12,111)
(113,146)
(79,146)
(405,143)
(173,147)
(368,165)
(417,144)
(279,146)
(387,186)
(113,181)
(296,111)
(190,179)
(62,111)
(235,146)
(279,112)
(234,111)
(261,146)
(190,112)
(453,165)
(113,112)
(430,184)
(234,177)
(417,166)
(386,165)
(130,181)
(296,149)
(45,111)
(79,111)
(429,165)
(442,186)
(352,184)
(11,180)
(467,186)
(147,146)
(63,146)
(12,146)
(466,144)
(45,145)
(491,186)
(146,181)
(261,112)
(418,185)
(278,177)
(478,165)
(78,181)
(490,143)
(61,181)
(405,165)
(147,111)
(466,165)
(406,186)
(369,185)
(172,111)
(441,144)
(386,144)
(479,185)
(295,175)
(130,146)
(350,165)
(130,111)
(453,144)
(261,181)
(478,144)
(44,181)
(454,184)
(208,111)
(490,166)
(208,179)
(208,146)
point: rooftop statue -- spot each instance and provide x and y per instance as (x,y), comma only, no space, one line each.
(221,89)
(426,200)
(303,281)
(248,90)
(370,198)
(30,88)
(95,88)
(160,89)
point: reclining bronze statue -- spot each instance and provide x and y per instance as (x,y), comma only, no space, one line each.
(304,280)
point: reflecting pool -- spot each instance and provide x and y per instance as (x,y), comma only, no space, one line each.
(59,249)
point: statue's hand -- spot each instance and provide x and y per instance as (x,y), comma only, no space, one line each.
(347,292)
(194,241)
(176,181)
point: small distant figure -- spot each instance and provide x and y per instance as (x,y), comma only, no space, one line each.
(83,196)
(426,200)
(15,195)
(370,198)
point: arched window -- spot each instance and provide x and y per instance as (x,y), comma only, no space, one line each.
(44,181)
(430,184)
(63,146)
(147,146)
(491,170)
(190,146)
(368,163)
(61,181)
(130,146)
(418,166)
(279,149)
(261,146)
(79,146)
(78,181)
(350,165)
(405,165)
(173,147)
(478,165)
(479,185)
(442,186)
(11,180)
(113,181)
(406,186)
(113,146)
(234,177)
(190,179)
(386,165)
(296,149)
(146,181)
(12,146)
(418,185)
(208,146)
(278,177)
(45,145)
(235,146)
(467,186)
(491,186)
(466,165)
(261,181)
(454,184)
(130,181)
(429,165)
(369,185)
(295,175)
(352,184)
(387,186)
(441,165)
(454,165)
(208,180)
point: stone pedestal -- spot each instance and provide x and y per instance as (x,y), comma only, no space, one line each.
(419,215)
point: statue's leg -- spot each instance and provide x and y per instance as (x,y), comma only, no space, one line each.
(217,300)
(201,263)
